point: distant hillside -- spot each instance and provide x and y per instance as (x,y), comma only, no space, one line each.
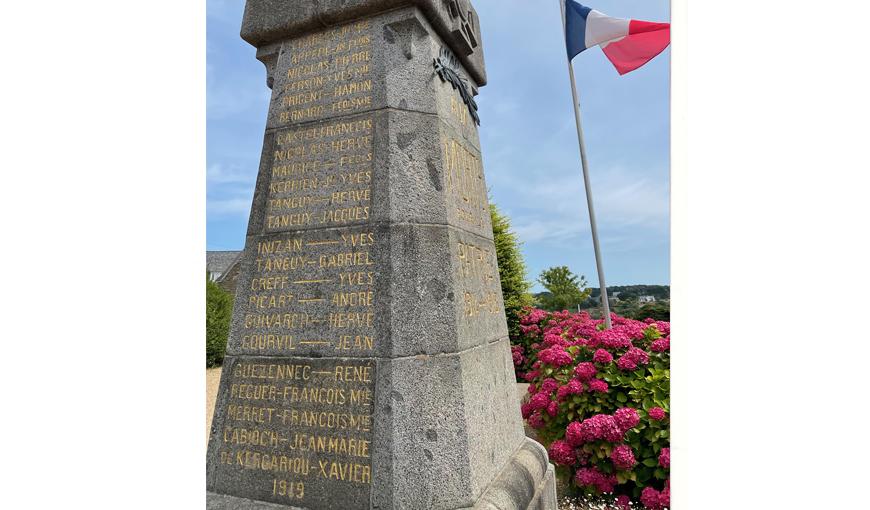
(633,291)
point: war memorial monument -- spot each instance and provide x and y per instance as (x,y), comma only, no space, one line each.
(368,363)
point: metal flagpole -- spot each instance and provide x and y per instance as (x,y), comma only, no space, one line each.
(604,301)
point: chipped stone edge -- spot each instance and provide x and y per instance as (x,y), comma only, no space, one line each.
(216,501)
(527,482)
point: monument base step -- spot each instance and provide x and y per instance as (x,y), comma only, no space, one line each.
(214,501)
(527,482)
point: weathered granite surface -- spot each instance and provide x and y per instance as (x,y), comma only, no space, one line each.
(368,364)
(455,21)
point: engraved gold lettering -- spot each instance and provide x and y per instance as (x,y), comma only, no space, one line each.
(345,299)
(351,320)
(356,279)
(354,343)
(352,88)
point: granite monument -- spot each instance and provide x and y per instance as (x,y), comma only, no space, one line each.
(368,364)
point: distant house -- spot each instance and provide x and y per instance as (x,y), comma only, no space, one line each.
(646,299)
(612,297)
(223,268)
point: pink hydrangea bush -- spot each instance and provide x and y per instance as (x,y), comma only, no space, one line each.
(599,399)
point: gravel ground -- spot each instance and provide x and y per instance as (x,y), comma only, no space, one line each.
(212,381)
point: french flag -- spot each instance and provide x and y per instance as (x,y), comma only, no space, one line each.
(628,44)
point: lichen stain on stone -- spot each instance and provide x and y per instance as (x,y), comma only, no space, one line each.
(389,35)
(405,139)
(433,175)
(436,288)
(409,244)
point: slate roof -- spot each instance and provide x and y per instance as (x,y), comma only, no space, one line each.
(220,261)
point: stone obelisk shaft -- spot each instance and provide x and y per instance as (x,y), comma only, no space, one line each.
(368,364)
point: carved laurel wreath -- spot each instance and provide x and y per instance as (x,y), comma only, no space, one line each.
(447,67)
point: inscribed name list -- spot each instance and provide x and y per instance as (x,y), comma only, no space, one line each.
(311,293)
(321,176)
(298,431)
(324,74)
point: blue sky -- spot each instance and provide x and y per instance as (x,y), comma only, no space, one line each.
(528,139)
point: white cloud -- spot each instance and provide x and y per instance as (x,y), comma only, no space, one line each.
(555,210)
(219,174)
(228,206)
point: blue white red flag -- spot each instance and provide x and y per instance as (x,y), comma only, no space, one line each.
(627,43)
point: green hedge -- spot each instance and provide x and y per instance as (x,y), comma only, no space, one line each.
(218,312)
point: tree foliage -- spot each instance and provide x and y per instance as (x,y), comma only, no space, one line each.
(218,312)
(658,310)
(511,269)
(565,290)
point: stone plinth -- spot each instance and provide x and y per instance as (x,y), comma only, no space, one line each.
(368,364)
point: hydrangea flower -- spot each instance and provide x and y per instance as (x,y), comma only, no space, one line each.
(530,330)
(650,498)
(536,421)
(661,345)
(664,327)
(639,355)
(633,329)
(665,458)
(585,371)
(588,331)
(517,355)
(598,385)
(551,339)
(626,417)
(574,387)
(591,477)
(600,426)
(665,497)
(586,476)
(632,358)
(534,316)
(526,410)
(602,356)
(562,453)
(616,338)
(623,457)
(549,385)
(626,362)
(553,409)
(555,356)
(623,502)
(574,434)
(656,413)
(539,401)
